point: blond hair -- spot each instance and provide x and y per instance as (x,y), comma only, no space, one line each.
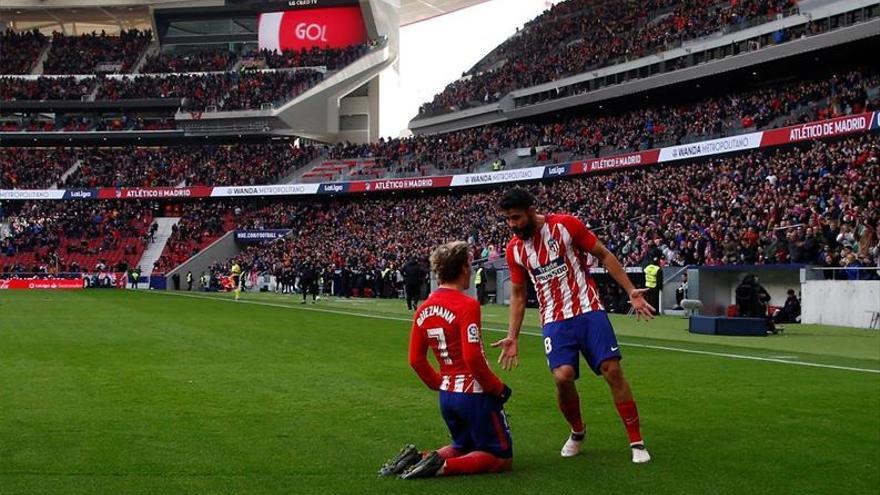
(449,259)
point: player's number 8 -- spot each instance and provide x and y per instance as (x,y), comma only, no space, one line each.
(548,346)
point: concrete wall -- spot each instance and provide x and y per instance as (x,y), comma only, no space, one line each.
(221,249)
(840,302)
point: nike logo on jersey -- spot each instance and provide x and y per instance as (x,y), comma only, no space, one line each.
(614,349)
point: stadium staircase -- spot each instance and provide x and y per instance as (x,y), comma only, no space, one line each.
(154,250)
(152,48)
(296,175)
(67,173)
(38,67)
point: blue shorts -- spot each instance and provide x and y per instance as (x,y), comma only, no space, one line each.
(589,334)
(476,422)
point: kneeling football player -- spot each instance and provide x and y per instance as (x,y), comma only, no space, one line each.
(471,396)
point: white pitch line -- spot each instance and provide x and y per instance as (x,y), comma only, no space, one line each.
(534,334)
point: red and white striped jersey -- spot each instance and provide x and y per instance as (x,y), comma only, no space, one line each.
(557,260)
(449,324)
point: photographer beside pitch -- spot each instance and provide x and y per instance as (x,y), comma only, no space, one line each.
(471,396)
(553,250)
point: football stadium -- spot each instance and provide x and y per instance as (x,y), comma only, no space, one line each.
(439,246)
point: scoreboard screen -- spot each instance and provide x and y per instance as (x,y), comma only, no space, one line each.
(325,27)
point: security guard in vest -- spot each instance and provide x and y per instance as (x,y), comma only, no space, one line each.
(480,284)
(189,281)
(654,281)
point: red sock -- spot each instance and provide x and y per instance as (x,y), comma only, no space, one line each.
(630,416)
(572,412)
(476,462)
(448,452)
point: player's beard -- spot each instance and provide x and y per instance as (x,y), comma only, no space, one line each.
(527,231)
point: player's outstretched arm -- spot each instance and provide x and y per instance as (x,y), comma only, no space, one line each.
(509,357)
(636,296)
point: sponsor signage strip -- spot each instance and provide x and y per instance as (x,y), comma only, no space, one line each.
(839,126)
(40,283)
(260,235)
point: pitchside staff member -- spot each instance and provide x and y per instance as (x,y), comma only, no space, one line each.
(413,275)
(308,281)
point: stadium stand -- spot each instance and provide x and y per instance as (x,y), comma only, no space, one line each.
(45,88)
(85,54)
(571,137)
(815,205)
(331,58)
(224,91)
(29,168)
(639,129)
(244,164)
(214,60)
(580,35)
(19,51)
(50,237)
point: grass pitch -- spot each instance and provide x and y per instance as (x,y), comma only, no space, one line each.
(123,392)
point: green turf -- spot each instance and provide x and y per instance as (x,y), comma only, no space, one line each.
(121,392)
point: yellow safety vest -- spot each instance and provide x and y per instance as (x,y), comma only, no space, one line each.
(478,279)
(651,275)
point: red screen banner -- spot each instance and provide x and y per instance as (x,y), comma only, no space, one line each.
(637,159)
(400,184)
(40,283)
(335,27)
(839,126)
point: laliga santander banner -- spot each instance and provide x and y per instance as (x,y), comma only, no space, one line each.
(40,283)
(334,27)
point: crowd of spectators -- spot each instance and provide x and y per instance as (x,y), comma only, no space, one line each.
(223,91)
(580,35)
(255,89)
(19,50)
(61,237)
(83,54)
(331,58)
(463,151)
(818,205)
(187,165)
(81,123)
(215,60)
(615,132)
(45,88)
(33,168)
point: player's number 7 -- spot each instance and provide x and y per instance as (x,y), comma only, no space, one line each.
(437,333)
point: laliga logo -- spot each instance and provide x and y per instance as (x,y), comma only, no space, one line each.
(311,32)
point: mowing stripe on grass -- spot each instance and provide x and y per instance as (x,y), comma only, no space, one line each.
(534,334)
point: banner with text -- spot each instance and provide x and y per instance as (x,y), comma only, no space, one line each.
(40,283)
(840,126)
(260,235)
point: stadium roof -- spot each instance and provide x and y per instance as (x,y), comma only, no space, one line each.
(79,16)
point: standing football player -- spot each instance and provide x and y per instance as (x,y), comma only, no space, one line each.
(471,396)
(553,250)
